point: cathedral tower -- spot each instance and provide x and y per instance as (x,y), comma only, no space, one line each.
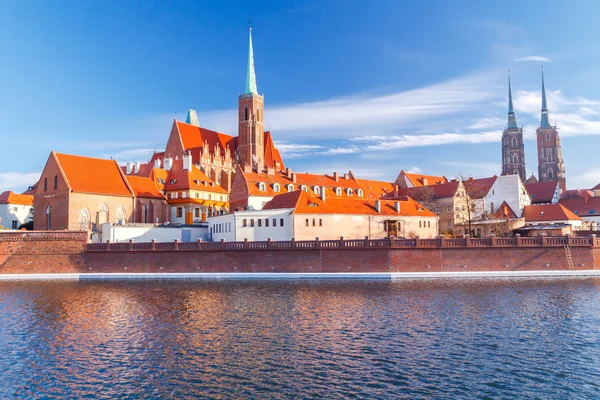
(250,148)
(550,161)
(513,149)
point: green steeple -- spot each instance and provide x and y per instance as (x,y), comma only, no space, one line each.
(545,123)
(250,74)
(512,120)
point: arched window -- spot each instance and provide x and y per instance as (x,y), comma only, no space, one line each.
(262,187)
(303,187)
(548,154)
(349,192)
(102,215)
(360,193)
(49,217)
(516,172)
(84,219)
(547,137)
(45,184)
(317,190)
(55,182)
(245,113)
(515,159)
(121,216)
(290,188)
(338,191)
(145,213)
(258,115)
(276,188)
(514,142)
(550,174)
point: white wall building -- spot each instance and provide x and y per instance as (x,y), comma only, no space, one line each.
(148,232)
(509,189)
(254,225)
(15,209)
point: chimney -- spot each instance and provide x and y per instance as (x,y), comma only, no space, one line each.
(187,161)
(168,163)
(425,181)
(157,163)
(335,176)
(346,176)
(396,190)
(323,193)
(270,171)
(378,206)
(294,177)
(288,172)
(397,206)
(137,167)
(247,169)
(129,168)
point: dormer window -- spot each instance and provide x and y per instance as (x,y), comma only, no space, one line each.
(304,188)
(290,188)
(197,182)
(338,191)
(317,189)
(172,181)
(349,192)
(161,181)
(359,193)
(276,188)
(262,187)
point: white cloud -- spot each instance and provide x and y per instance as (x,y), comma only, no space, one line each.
(403,141)
(17,181)
(533,58)
(364,113)
(341,150)
(415,170)
(586,180)
(132,155)
(285,148)
(480,169)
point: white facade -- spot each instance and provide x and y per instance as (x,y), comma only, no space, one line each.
(147,232)
(509,188)
(258,202)
(14,215)
(254,225)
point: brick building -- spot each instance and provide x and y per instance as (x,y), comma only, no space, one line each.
(513,147)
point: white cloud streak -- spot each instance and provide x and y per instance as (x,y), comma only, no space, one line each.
(17,181)
(533,58)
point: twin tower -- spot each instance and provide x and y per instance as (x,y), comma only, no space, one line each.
(551,167)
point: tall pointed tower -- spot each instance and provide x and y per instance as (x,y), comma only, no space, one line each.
(550,161)
(250,148)
(513,149)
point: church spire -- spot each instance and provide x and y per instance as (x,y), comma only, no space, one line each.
(512,120)
(250,74)
(545,123)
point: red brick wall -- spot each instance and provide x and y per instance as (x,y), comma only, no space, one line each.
(238,197)
(57,199)
(64,252)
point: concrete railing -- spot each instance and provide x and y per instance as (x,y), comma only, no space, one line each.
(388,243)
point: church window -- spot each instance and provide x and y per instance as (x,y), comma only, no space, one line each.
(338,191)
(516,171)
(547,137)
(550,174)
(317,190)
(360,193)
(55,182)
(514,142)
(121,216)
(515,159)
(84,219)
(262,187)
(276,188)
(49,217)
(45,184)
(245,113)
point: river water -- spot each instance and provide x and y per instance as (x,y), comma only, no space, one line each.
(505,338)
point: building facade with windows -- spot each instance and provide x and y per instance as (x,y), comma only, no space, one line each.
(513,147)
(15,209)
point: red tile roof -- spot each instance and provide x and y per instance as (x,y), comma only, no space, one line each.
(541,192)
(144,187)
(31,189)
(93,175)
(597,187)
(179,178)
(272,156)
(479,188)
(195,136)
(439,191)
(9,197)
(504,212)
(376,189)
(582,206)
(424,180)
(304,203)
(548,212)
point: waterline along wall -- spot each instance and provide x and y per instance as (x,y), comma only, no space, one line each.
(68,252)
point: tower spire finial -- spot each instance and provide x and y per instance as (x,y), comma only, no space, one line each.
(545,123)
(512,120)
(250,74)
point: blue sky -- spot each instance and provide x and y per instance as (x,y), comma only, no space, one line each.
(371,86)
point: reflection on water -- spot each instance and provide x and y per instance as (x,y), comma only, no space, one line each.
(444,339)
